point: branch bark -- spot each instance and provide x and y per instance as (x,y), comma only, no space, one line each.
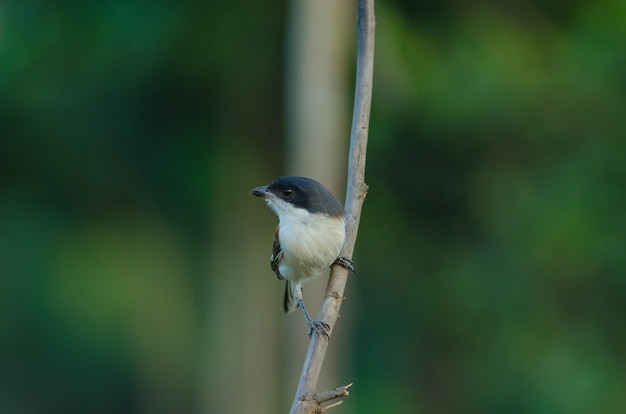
(305,400)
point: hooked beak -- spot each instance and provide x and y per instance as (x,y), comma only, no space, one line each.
(260,191)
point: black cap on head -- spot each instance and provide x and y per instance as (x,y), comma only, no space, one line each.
(306,193)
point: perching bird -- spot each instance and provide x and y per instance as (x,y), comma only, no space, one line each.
(308,239)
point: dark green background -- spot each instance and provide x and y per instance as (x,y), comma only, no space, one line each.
(491,257)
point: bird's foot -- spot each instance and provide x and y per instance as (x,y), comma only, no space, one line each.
(320,327)
(345,262)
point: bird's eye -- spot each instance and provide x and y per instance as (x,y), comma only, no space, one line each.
(287,192)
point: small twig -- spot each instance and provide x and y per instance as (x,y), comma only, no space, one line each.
(328,407)
(322,397)
(306,399)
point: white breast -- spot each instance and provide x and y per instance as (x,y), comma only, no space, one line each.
(310,242)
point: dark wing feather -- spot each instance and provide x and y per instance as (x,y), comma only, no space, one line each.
(277,254)
(289,302)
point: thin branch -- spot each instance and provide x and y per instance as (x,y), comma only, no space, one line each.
(305,399)
(322,397)
(333,405)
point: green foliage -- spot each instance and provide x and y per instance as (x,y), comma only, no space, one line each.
(493,235)
(113,118)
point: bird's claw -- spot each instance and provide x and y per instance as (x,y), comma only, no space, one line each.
(345,262)
(320,327)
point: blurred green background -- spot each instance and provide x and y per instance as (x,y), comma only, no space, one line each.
(492,249)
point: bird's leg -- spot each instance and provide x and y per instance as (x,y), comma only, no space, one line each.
(314,325)
(345,262)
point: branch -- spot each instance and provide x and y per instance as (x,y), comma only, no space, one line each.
(306,400)
(322,397)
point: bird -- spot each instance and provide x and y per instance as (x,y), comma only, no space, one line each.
(309,237)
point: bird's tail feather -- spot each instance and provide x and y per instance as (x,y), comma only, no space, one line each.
(290,303)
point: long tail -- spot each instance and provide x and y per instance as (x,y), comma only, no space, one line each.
(290,302)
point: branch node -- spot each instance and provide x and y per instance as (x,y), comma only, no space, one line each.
(336,295)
